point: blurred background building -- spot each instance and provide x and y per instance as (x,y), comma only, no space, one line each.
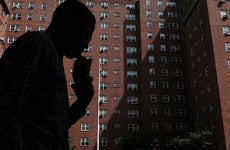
(161,69)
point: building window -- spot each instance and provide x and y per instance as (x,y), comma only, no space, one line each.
(159,3)
(154,111)
(166,98)
(117,48)
(164,72)
(41,28)
(179,98)
(31,5)
(103,127)
(104,73)
(161,25)
(226,30)
(60,1)
(132,100)
(103,86)
(132,86)
(130,17)
(149,24)
(152,72)
(116,4)
(11,39)
(104,26)
(149,35)
(116,85)
(103,99)
(130,6)
(116,72)
(117,125)
(28,28)
(133,127)
(227,47)
(89,3)
(84,127)
(162,36)
(175,48)
(148,13)
(103,113)
(131,38)
(153,98)
(103,141)
(152,84)
(150,47)
(131,74)
(43,17)
(133,113)
(104,37)
(174,37)
(172,14)
(151,59)
(84,142)
(16,16)
(171,4)
(228,64)
(173,25)
(177,72)
(168,126)
(165,85)
(207,71)
(18,4)
(223,14)
(29,16)
(131,62)
(180,112)
(148,3)
(178,85)
(131,50)
(164,59)
(103,60)
(104,4)
(160,14)
(44,6)
(104,15)
(181,126)
(176,60)
(15,28)
(163,47)
(131,27)
(104,48)
(87,114)
(117,25)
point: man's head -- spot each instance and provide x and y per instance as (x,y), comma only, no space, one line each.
(72,25)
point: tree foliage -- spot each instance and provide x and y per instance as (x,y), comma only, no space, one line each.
(194,140)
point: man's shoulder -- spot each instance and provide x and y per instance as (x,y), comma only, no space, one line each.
(35,35)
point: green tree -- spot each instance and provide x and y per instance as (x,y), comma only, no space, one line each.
(194,140)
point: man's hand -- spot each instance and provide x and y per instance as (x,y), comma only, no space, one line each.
(82,87)
(83,81)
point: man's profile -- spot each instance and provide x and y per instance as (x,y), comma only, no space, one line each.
(34,107)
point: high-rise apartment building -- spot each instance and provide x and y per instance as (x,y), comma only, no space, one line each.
(206,37)
(160,69)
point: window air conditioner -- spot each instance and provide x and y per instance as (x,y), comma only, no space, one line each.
(224,17)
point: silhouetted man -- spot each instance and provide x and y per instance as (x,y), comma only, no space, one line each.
(34,108)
